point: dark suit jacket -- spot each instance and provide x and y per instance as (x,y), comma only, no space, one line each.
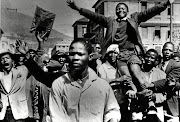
(172,71)
(111,23)
(46,78)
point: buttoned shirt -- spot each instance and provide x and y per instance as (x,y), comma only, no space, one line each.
(92,102)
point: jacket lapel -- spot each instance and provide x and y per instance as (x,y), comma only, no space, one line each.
(2,84)
(115,26)
(3,90)
(14,76)
(168,68)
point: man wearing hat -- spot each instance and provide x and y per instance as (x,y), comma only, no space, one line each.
(12,88)
(61,57)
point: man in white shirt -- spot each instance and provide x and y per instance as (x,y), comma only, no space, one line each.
(12,89)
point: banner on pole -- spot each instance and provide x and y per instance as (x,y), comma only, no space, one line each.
(42,22)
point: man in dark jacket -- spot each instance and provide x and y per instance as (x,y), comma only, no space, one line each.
(123,31)
(171,83)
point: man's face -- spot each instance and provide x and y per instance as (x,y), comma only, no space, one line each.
(121,11)
(167,52)
(150,58)
(32,54)
(7,62)
(21,60)
(78,57)
(61,59)
(112,55)
(97,48)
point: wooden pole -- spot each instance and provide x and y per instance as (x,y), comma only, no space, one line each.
(171,24)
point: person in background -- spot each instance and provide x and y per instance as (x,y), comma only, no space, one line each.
(39,91)
(61,57)
(12,88)
(147,104)
(171,84)
(80,95)
(95,58)
(121,85)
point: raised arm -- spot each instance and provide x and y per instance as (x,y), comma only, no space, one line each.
(151,12)
(98,18)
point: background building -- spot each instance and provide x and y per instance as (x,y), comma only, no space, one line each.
(61,46)
(154,32)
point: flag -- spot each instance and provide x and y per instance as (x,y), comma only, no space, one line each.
(42,22)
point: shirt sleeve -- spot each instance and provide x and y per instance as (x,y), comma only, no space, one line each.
(56,105)
(112,109)
(101,72)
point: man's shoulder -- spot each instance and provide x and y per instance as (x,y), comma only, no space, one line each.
(103,65)
(60,80)
(157,70)
(174,63)
(101,83)
(22,69)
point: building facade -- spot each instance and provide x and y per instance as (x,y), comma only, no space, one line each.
(62,46)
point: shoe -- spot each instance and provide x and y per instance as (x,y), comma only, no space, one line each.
(152,110)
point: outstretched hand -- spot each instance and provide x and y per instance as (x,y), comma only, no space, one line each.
(21,46)
(72,4)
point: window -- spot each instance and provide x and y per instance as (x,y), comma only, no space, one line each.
(84,30)
(168,34)
(157,33)
(169,10)
(143,6)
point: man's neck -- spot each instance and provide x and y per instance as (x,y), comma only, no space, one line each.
(147,68)
(112,64)
(166,60)
(78,75)
(6,72)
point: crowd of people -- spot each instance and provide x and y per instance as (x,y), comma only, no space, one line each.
(117,81)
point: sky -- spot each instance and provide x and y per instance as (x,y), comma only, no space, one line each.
(65,16)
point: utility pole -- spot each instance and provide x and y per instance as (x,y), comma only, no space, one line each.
(171,24)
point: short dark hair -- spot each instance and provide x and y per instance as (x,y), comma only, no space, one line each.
(85,42)
(124,5)
(167,44)
(154,51)
(10,54)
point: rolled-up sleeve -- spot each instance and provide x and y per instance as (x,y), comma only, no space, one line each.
(57,109)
